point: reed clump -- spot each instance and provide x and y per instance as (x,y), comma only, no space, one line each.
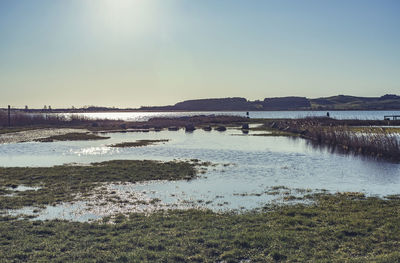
(328,132)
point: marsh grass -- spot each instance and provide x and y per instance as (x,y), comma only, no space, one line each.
(336,228)
(381,145)
(329,132)
(19,118)
(62,183)
(138,143)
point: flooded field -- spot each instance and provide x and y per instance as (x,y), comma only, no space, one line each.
(247,171)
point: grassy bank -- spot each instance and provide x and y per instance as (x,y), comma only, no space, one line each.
(337,228)
(62,183)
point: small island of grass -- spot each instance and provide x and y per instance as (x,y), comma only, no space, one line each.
(73,136)
(138,143)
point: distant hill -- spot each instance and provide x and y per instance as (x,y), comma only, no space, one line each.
(340,102)
(343,102)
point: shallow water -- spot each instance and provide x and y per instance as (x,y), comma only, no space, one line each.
(248,167)
(145,116)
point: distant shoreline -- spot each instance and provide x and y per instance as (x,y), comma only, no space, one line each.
(388,102)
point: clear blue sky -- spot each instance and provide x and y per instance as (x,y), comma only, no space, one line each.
(130,53)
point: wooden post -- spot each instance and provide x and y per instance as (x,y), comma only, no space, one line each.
(9,116)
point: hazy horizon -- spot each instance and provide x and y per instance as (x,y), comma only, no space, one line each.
(132,53)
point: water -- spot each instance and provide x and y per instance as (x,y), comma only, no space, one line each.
(248,167)
(145,116)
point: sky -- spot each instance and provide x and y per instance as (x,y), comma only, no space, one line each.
(131,53)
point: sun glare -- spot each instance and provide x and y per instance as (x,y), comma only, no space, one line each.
(124,17)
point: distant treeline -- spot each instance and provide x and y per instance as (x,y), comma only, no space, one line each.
(340,102)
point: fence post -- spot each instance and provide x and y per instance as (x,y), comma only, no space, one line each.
(9,116)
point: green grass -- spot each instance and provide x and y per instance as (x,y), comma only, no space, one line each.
(61,183)
(73,136)
(337,228)
(138,143)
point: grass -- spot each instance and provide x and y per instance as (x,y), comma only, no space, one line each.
(337,228)
(62,183)
(73,136)
(138,143)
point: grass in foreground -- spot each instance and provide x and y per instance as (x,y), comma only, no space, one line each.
(73,136)
(337,228)
(138,143)
(61,183)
